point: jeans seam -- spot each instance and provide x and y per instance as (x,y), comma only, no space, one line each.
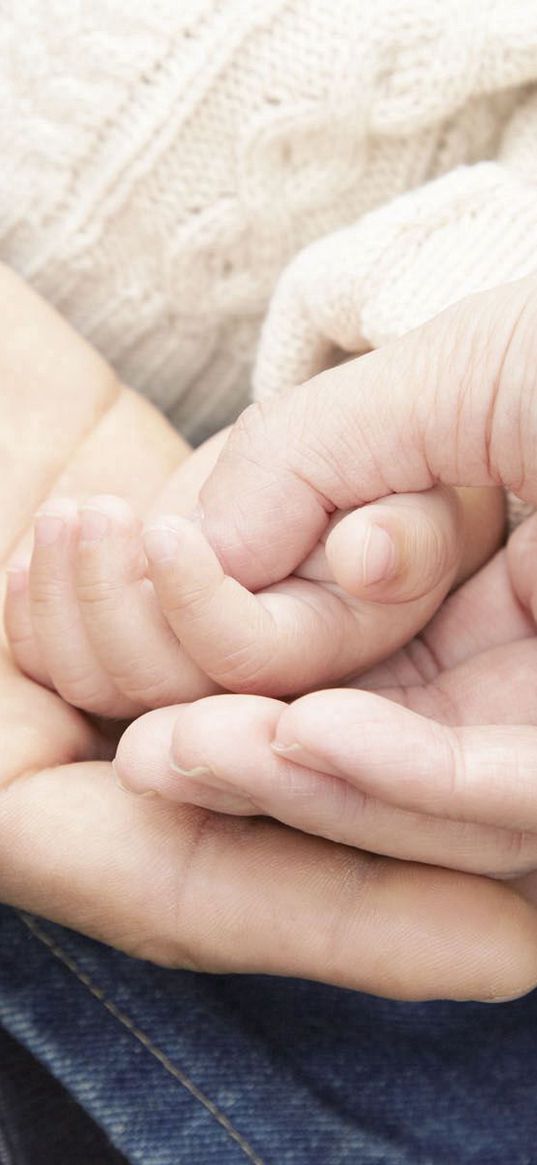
(137,1033)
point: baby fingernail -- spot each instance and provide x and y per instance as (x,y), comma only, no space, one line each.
(379,556)
(161,544)
(93,525)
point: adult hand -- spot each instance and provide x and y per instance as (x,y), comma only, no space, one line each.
(175,884)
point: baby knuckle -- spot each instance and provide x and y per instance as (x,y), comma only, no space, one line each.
(45,591)
(84,689)
(246,669)
(147,686)
(99,593)
(194,599)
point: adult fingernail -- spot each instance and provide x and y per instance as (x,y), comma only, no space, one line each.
(161,544)
(285,749)
(379,556)
(298,755)
(212,792)
(197,771)
(93,525)
(295,753)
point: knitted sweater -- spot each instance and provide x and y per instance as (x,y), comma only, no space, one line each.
(164,163)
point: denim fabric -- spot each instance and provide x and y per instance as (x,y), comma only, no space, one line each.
(40,1123)
(187,1069)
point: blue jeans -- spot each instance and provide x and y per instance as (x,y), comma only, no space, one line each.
(186,1069)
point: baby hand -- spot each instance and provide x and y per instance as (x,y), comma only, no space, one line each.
(396,559)
(119,623)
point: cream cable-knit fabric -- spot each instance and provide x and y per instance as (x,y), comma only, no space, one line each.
(400,265)
(164,161)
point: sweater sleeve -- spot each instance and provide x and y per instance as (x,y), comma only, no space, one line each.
(400,265)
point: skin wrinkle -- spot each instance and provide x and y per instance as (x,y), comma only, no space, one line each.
(353,803)
(319,612)
(475,348)
(299,428)
(240,670)
(515,843)
(493,403)
(476,351)
(445,363)
(527,391)
(421,652)
(455,770)
(444,704)
(236,452)
(388,423)
(354,879)
(363,449)
(429,405)
(213,835)
(390,475)
(241,438)
(183,901)
(150,690)
(320,454)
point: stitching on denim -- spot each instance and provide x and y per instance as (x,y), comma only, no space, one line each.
(121,1016)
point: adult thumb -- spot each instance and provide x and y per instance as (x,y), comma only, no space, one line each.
(453,402)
